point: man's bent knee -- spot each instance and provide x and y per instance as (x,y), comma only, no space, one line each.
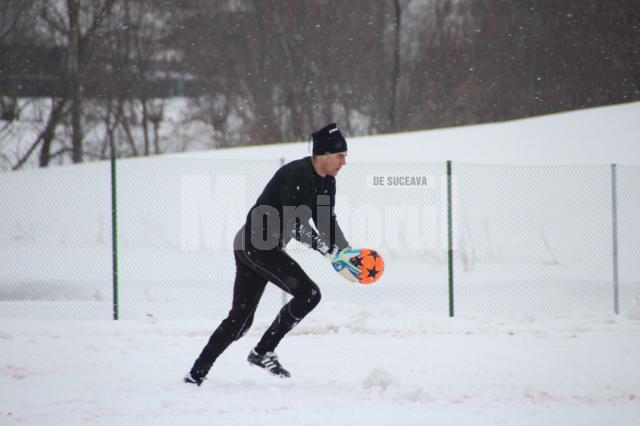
(314,297)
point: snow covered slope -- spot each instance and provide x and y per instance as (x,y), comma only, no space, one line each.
(534,342)
(591,136)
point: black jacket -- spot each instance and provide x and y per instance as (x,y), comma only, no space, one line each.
(293,196)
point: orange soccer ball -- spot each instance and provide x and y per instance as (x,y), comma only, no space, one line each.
(370,266)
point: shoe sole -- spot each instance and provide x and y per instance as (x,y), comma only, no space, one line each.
(191,382)
(273,374)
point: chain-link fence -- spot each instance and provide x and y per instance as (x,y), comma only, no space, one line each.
(535,239)
(55,243)
(178,218)
(628,206)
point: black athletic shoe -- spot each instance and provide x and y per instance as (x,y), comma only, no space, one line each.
(190,378)
(269,362)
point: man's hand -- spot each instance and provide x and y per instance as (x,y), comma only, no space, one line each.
(342,264)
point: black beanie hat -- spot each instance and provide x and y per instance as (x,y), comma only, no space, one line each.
(328,140)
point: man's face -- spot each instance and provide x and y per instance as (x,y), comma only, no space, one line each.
(334,162)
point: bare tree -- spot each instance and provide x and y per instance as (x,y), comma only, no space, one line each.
(265,71)
(15,18)
(302,65)
(13,13)
(77,25)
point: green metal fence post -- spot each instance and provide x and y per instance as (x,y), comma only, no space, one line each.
(450,237)
(284,293)
(114,232)
(614,240)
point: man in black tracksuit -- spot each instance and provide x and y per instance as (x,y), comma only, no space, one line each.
(299,191)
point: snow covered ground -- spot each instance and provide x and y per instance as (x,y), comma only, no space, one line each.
(533,341)
(350,365)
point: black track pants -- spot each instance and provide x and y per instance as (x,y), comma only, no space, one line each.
(254,268)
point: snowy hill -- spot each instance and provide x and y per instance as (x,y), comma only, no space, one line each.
(593,136)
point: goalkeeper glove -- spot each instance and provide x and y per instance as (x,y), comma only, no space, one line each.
(342,264)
